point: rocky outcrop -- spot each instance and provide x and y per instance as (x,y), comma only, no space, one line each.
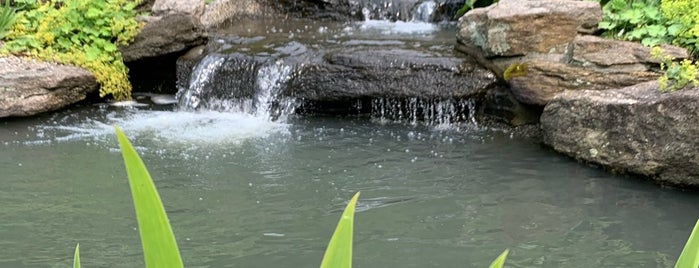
(172,26)
(548,42)
(29,87)
(398,73)
(635,129)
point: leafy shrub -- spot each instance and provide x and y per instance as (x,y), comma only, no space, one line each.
(684,17)
(471,4)
(7,18)
(677,75)
(653,22)
(85,33)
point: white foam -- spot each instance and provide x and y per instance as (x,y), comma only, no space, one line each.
(398,27)
(199,127)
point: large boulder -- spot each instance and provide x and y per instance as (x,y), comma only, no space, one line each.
(516,27)
(635,129)
(397,73)
(29,87)
(172,26)
(591,63)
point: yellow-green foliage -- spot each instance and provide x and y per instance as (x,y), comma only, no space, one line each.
(677,75)
(85,33)
(515,70)
(684,15)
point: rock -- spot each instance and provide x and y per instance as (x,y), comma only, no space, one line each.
(515,27)
(591,63)
(173,26)
(635,129)
(29,87)
(221,11)
(397,73)
(501,104)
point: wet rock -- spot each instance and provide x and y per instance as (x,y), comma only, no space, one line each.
(635,129)
(515,27)
(501,104)
(221,11)
(29,87)
(397,73)
(173,25)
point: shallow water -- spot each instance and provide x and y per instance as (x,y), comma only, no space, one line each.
(246,192)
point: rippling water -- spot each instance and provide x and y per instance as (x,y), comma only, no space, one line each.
(245,192)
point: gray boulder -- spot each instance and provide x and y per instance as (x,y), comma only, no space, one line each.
(516,27)
(173,26)
(635,129)
(29,87)
(397,73)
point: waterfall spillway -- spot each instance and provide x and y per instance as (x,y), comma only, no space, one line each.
(424,11)
(238,84)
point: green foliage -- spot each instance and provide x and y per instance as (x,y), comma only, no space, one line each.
(339,251)
(158,241)
(683,16)
(499,262)
(652,22)
(85,33)
(471,4)
(76,257)
(7,18)
(689,258)
(515,70)
(676,75)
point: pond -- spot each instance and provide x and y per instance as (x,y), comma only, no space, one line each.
(243,191)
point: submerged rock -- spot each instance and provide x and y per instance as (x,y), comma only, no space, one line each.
(29,87)
(635,129)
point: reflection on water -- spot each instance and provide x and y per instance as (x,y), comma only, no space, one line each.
(245,192)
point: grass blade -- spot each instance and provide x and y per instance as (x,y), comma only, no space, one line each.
(76,257)
(500,260)
(689,258)
(158,241)
(339,251)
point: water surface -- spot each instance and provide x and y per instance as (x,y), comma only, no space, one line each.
(247,192)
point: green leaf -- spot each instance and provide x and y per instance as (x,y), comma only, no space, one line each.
(607,25)
(500,260)
(339,251)
(689,258)
(158,241)
(675,29)
(76,257)
(656,30)
(92,13)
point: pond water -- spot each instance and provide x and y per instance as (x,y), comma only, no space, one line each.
(242,191)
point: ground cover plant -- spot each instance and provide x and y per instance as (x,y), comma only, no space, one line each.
(85,33)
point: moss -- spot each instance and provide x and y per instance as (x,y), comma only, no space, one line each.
(515,70)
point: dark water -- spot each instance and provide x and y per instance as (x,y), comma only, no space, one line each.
(245,192)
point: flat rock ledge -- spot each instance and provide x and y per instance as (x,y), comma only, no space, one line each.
(29,87)
(635,129)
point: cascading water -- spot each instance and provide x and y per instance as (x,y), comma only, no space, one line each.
(438,113)
(424,12)
(267,80)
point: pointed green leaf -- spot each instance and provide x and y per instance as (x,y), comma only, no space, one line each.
(500,260)
(339,251)
(76,257)
(689,258)
(158,241)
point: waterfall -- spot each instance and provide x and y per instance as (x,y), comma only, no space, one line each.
(432,112)
(424,12)
(238,85)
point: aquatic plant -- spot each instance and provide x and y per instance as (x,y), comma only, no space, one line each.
(158,241)
(85,33)
(7,18)
(76,257)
